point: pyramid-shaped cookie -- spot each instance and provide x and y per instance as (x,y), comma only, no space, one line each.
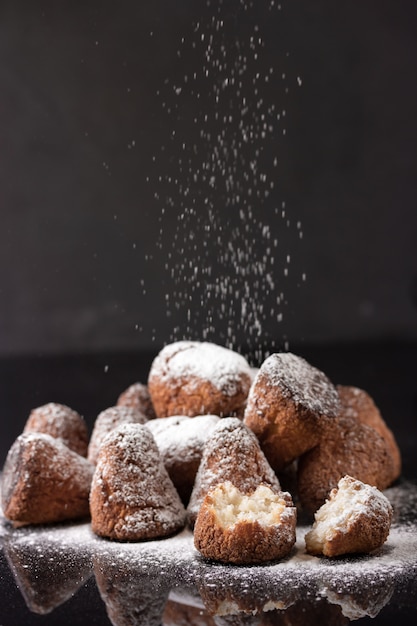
(198,378)
(61,422)
(232,453)
(137,396)
(107,421)
(180,440)
(44,481)
(363,517)
(132,497)
(349,447)
(287,405)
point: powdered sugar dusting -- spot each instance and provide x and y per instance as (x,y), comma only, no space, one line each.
(131,485)
(358,498)
(232,453)
(108,420)
(137,396)
(182,437)
(222,367)
(300,381)
(55,414)
(57,459)
(363,584)
(352,507)
(61,422)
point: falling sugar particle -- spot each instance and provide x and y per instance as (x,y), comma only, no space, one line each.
(222,258)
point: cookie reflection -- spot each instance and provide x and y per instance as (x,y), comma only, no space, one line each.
(314,612)
(231,596)
(46,575)
(179,614)
(134,595)
(357,601)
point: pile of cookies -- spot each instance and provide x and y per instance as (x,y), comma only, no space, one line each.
(207,442)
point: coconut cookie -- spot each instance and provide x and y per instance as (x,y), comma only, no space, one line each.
(108,420)
(355,519)
(132,497)
(358,403)
(348,446)
(196,378)
(231,453)
(244,528)
(43,481)
(180,440)
(137,396)
(287,404)
(61,422)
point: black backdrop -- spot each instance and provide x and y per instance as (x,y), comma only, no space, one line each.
(98,243)
(86,153)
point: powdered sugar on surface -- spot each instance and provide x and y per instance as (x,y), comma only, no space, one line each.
(397,555)
(361,585)
(53,454)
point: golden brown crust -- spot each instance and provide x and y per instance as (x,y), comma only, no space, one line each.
(43,481)
(365,535)
(180,440)
(108,420)
(132,497)
(357,442)
(347,447)
(198,378)
(283,431)
(61,422)
(287,405)
(355,519)
(232,453)
(246,541)
(137,396)
(359,404)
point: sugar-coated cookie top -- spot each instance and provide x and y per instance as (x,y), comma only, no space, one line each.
(180,436)
(130,470)
(222,367)
(300,381)
(108,420)
(232,452)
(351,499)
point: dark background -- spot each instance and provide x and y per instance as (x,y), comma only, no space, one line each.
(94,260)
(83,109)
(99,246)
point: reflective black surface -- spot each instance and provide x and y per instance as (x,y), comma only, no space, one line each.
(64,575)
